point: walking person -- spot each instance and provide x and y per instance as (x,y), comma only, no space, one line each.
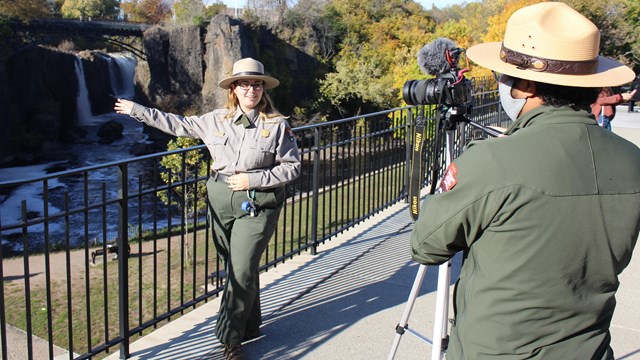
(604,109)
(548,216)
(254,154)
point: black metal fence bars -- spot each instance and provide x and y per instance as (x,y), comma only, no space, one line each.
(98,256)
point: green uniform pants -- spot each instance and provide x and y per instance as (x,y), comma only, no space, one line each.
(241,240)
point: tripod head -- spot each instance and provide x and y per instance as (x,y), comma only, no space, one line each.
(452,116)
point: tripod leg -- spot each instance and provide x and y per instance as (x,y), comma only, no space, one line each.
(400,328)
(440,326)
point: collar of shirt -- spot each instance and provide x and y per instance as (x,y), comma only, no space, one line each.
(245,119)
(548,115)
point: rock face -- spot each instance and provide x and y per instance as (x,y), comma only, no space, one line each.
(185,64)
(225,42)
(41,89)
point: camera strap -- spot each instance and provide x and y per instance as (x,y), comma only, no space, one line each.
(416,167)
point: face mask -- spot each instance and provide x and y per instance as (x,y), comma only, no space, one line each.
(510,105)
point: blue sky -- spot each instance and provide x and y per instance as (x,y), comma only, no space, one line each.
(425,3)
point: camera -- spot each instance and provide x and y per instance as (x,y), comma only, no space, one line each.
(445,89)
(449,87)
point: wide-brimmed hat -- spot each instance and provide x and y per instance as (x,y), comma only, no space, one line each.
(551,43)
(249,68)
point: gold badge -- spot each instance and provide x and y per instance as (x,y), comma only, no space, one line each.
(218,133)
(265,133)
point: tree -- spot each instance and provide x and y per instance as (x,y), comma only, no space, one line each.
(180,168)
(618,23)
(25,9)
(147,11)
(90,9)
(189,12)
(269,12)
(377,53)
(632,17)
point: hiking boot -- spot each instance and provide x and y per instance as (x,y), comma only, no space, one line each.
(233,352)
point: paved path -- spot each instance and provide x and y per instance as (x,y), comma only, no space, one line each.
(345,302)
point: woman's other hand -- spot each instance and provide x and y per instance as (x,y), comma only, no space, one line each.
(238,182)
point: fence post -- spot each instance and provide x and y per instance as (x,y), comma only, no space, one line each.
(123,269)
(314,205)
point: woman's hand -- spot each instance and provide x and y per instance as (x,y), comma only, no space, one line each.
(123,106)
(628,95)
(238,182)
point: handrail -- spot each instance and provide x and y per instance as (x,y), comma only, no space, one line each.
(351,169)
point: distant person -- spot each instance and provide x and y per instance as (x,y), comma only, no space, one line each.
(604,109)
(254,154)
(546,217)
(635,84)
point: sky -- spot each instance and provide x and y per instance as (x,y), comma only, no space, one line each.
(425,3)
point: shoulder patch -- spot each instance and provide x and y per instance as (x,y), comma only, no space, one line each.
(290,135)
(450,179)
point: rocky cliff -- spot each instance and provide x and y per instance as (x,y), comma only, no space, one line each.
(185,65)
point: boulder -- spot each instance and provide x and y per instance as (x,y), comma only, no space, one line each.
(110,132)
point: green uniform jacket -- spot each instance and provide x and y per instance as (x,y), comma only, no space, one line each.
(547,218)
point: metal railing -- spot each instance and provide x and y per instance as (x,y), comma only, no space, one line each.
(101,255)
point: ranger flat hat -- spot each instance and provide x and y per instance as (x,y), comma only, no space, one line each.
(554,44)
(249,68)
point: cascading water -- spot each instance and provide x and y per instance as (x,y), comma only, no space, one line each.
(121,72)
(83,105)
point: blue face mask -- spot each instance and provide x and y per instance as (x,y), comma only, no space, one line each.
(510,105)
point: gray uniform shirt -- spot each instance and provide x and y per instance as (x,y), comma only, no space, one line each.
(263,148)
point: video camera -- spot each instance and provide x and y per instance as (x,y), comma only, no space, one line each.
(449,87)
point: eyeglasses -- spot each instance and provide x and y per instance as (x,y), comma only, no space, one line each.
(245,85)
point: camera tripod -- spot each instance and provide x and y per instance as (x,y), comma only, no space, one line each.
(448,120)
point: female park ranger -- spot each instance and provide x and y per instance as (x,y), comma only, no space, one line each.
(254,154)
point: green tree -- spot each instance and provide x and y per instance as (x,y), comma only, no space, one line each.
(377,53)
(25,9)
(183,167)
(90,9)
(618,24)
(214,9)
(189,12)
(632,19)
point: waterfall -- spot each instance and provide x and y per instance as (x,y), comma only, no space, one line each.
(83,105)
(121,71)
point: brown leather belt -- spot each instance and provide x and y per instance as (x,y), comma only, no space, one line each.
(216,176)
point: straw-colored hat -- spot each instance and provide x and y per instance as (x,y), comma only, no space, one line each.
(249,68)
(551,43)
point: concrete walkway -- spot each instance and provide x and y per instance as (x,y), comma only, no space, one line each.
(345,302)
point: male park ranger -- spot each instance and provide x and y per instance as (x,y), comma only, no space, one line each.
(254,153)
(547,216)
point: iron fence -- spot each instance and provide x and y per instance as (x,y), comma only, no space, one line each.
(101,255)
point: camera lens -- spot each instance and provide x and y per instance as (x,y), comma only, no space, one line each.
(413,92)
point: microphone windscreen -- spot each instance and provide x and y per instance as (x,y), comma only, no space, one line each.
(432,58)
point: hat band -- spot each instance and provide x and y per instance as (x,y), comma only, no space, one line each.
(245,73)
(547,65)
